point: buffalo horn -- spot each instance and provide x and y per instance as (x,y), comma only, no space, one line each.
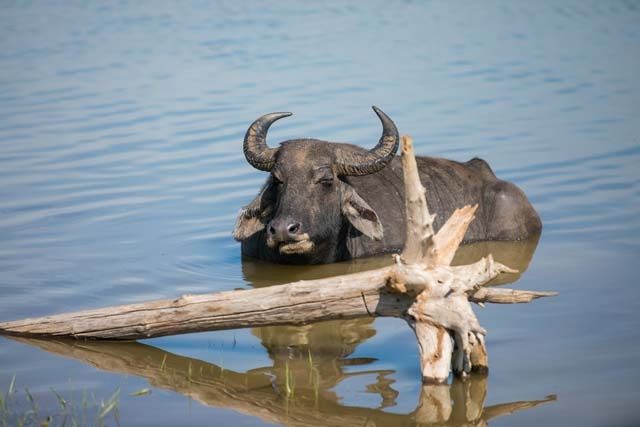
(350,163)
(255,147)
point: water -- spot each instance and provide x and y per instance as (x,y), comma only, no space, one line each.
(121,170)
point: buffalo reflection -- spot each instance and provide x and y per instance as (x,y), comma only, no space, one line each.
(308,362)
(335,341)
(302,400)
(516,255)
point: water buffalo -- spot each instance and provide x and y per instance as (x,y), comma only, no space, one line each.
(325,202)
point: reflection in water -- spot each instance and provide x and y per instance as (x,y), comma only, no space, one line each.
(309,362)
(121,163)
(122,172)
(293,348)
(516,255)
(289,393)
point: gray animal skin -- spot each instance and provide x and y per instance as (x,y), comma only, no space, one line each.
(325,202)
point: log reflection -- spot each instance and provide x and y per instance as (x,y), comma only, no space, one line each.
(308,362)
(335,341)
(261,393)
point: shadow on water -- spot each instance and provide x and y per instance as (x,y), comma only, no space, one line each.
(516,255)
(308,363)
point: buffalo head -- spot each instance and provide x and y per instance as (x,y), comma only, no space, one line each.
(306,207)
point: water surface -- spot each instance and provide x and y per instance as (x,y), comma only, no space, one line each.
(121,127)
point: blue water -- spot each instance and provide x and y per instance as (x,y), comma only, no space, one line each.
(121,173)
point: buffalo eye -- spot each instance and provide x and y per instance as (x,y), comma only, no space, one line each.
(324,176)
(326,181)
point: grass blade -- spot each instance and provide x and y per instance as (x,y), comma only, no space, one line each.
(111,404)
(106,409)
(164,359)
(32,401)
(141,392)
(61,401)
(12,384)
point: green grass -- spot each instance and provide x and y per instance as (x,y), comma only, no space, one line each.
(141,392)
(164,360)
(289,381)
(21,409)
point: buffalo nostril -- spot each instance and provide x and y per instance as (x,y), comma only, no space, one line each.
(293,228)
(272,230)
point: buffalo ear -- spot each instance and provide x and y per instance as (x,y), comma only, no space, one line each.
(360,214)
(253,217)
(247,224)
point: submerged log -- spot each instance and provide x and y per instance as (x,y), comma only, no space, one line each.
(421,287)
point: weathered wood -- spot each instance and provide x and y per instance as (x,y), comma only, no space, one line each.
(421,287)
(350,296)
(355,295)
(507,296)
(434,345)
(419,220)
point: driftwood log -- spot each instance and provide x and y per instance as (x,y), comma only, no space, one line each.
(421,287)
